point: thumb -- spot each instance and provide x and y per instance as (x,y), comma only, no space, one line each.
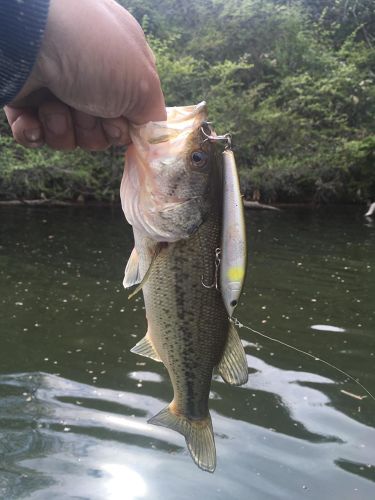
(150,103)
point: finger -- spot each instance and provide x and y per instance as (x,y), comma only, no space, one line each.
(26,126)
(150,104)
(58,125)
(116,131)
(88,132)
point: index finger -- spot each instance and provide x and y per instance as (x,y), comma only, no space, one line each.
(26,126)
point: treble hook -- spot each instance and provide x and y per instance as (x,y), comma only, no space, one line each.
(217,138)
(217,265)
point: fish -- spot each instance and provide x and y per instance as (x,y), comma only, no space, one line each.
(172,195)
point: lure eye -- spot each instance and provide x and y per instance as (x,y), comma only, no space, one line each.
(199,158)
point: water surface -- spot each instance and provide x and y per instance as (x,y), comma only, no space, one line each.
(74,402)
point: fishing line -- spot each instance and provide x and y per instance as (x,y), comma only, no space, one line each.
(315,358)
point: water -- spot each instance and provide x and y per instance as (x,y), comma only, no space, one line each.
(74,402)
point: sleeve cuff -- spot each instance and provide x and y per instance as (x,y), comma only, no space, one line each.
(22,24)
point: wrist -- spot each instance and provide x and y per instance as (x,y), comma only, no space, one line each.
(19,43)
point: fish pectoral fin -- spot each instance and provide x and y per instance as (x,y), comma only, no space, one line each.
(147,273)
(233,365)
(146,348)
(198,435)
(132,275)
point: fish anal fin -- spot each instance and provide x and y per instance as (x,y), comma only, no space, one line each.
(132,276)
(233,365)
(198,435)
(146,348)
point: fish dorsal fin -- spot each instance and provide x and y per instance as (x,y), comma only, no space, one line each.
(146,348)
(147,273)
(198,435)
(233,364)
(132,276)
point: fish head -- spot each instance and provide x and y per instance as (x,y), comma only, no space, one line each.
(165,191)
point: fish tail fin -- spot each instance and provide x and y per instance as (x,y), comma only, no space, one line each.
(198,435)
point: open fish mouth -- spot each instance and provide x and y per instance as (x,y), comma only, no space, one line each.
(164,188)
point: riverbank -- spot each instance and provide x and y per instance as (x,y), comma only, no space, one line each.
(45,177)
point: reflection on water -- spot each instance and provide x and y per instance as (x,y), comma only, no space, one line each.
(74,402)
(124,483)
(327,328)
(72,437)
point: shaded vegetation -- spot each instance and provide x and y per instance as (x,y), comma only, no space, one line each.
(45,174)
(293,80)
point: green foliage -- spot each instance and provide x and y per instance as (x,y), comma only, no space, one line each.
(294,86)
(42,173)
(293,80)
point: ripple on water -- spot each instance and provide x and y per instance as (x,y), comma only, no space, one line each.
(288,434)
(75,437)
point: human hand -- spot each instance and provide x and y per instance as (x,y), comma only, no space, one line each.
(94,73)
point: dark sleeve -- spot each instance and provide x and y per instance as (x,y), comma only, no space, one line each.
(22,24)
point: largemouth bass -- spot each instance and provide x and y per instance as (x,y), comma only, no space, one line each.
(172,194)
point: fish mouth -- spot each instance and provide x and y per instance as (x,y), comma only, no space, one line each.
(150,202)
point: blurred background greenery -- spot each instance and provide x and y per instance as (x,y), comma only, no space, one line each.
(293,80)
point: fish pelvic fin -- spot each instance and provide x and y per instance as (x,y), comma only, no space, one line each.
(233,365)
(143,281)
(146,348)
(198,435)
(132,276)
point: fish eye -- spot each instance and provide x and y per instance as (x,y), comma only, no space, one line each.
(199,158)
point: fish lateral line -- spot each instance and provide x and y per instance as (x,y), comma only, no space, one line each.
(315,358)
